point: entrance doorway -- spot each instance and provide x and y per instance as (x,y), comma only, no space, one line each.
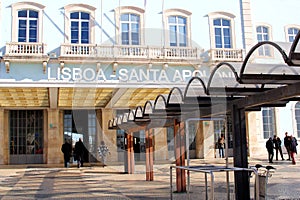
(82,124)
(26,136)
(139,146)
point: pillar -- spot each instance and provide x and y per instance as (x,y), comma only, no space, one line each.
(240,155)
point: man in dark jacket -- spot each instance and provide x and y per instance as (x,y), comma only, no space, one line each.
(270,149)
(277,146)
(287,144)
(66,148)
(79,152)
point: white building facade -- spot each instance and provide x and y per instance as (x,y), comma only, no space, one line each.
(70,66)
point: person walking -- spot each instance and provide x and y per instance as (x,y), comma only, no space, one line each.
(66,148)
(277,146)
(221,145)
(79,152)
(293,149)
(270,149)
(287,144)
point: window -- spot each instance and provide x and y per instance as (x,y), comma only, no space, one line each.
(297,116)
(268,115)
(130,21)
(79,28)
(222,33)
(263,34)
(26,132)
(219,129)
(27,26)
(291,32)
(221,25)
(177,27)
(27,19)
(178,23)
(130,28)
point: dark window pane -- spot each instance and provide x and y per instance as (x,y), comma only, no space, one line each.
(33,14)
(217,22)
(125,38)
(75,15)
(85,16)
(225,22)
(22,13)
(135,38)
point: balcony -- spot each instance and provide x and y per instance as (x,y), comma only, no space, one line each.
(227,55)
(128,52)
(25,49)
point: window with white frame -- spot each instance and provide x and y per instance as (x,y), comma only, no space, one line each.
(177,31)
(263,34)
(291,32)
(222,26)
(222,33)
(130,28)
(297,116)
(269,123)
(79,24)
(130,21)
(178,24)
(80,27)
(27,19)
(28,24)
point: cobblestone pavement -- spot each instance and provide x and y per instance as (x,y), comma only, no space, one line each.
(110,182)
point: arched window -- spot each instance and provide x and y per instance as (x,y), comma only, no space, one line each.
(178,24)
(263,34)
(177,34)
(130,28)
(297,116)
(291,32)
(28,26)
(221,25)
(27,20)
(130,25)
(269,123)
(222,33)
(80,27)
(79,24)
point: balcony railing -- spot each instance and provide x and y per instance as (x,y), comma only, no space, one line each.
(127,51)
(25,49)
(226,55)
(123,51)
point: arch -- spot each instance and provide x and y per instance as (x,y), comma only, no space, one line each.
(125,117)
(138,112)
(284,56)
(27,5)
(190,82)
(160,102)
(216,68)
(148,108)
(131,115)
(114,122)
(119,119)
(110,124)
(172,95)
(80,6)
(172,11)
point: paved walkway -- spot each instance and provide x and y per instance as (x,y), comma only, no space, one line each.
(96,182)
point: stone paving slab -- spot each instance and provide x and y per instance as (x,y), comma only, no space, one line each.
(110,182)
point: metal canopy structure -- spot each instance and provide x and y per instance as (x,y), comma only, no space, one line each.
(274,85)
